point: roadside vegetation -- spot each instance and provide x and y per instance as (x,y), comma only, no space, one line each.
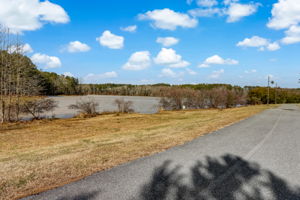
(39,155)
(21,79)
(87,108)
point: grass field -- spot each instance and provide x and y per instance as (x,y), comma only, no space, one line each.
(36,156)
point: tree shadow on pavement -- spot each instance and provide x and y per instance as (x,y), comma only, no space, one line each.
(226,178)
(85,196)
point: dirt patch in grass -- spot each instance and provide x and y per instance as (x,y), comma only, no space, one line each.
(36,156)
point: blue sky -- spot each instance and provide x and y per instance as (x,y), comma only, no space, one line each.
(171,41)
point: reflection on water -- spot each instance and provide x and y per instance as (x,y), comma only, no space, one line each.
(144,105)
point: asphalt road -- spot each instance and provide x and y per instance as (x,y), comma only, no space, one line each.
(258,158)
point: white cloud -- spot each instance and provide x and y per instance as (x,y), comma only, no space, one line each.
(273,46)
(204,3)
(191,72)
(110,40)
(232,9)
(255,41)
(170,58)
(260,43)
(285,13)
(292,35)
(169,19)
(130,29)
(217,74)
(167,41)
(207,3)
(46,61)
(166,72)
(251,71)
(138,61)
(217,60)
(77,46)
(180,64)
(68,74)
(237,11)
(167,57)
(206,12)
(30,15)
(22,49)
(228,2)
(94,78)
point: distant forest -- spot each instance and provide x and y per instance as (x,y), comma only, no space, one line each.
(19,75)
(20,78)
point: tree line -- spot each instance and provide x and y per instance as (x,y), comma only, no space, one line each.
(20,79)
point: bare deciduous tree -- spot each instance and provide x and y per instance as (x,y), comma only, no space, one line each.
(17,76)
(124,106)
(38,107)
(88,107)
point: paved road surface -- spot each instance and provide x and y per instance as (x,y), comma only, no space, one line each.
(258,158)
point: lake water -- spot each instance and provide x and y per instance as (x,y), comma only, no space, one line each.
(145,105)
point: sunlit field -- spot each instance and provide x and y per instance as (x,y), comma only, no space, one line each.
(39,155)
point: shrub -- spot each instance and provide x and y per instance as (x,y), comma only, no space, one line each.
(38,107)
(88,107)
(124,106)
(173,98)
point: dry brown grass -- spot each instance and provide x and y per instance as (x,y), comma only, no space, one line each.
(41,155)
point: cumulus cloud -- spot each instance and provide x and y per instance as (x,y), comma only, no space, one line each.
(228,2)
(169,19)
(30,15)
(46,61)
(237,11)
(285,13)
(138,61)
(217,60)
(95,78)
(22,49)
(167,41)
(191,72)
(206,12)
(207,3)
(110,40)
(180,64)
(260,43)
(216,74)
(292,35)
(231,8)
(68,74)
(77,46)
(204,3)
(254,41)
(170,58)
(273,46)
(130,29)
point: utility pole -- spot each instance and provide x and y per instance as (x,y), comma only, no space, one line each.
(276,94)
(269,82)
(268,100)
